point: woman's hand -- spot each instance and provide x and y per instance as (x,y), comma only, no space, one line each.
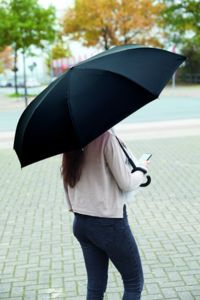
(145,163)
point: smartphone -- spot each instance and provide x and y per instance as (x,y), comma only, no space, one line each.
(145,156)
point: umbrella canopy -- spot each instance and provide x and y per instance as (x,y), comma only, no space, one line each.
(90,98)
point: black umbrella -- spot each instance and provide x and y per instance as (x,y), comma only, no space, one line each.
(90,98)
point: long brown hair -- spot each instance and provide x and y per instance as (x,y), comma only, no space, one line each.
(71,167)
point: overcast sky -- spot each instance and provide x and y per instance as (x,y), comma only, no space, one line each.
(58,4)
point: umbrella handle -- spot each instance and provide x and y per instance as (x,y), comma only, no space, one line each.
(144,172)
(134,166)
(146,183)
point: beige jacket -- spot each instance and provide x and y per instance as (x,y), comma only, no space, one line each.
(105,177)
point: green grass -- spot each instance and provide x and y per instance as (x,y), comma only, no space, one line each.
(19,95)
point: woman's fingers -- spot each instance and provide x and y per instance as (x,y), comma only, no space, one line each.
(146,163)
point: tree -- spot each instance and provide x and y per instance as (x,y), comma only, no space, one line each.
(192,64)
(181,21)
(112,22)
(59,50)
(26,23)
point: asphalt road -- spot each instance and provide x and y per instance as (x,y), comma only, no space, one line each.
(168,107)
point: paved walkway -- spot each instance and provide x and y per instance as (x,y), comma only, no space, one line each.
(40,259)
(39,256)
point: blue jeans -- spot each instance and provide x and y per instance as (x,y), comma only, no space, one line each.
(102,239)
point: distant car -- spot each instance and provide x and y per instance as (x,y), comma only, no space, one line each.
(5,83)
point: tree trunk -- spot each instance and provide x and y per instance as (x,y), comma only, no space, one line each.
(105,38)
(25,87)
(15,70)
(106,47)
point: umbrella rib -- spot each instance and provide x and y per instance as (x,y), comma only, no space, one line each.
(47,92)
(119,74)
(70,109)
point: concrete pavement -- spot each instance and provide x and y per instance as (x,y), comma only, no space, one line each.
(40,259)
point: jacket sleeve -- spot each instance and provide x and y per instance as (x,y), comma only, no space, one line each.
(120,169)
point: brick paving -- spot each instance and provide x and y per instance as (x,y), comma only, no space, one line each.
(40,259)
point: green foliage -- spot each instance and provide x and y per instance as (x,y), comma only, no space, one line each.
(26,23)
(59,50)
(181,20)
(19,95)
(1,67)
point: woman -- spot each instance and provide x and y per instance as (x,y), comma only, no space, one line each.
(95,181)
